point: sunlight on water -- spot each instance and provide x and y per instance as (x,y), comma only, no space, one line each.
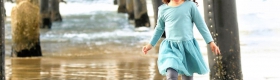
(83,68)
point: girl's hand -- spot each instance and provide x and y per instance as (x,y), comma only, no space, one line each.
(215,48)
(146,48)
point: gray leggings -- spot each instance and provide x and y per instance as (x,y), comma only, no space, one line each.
(173,75)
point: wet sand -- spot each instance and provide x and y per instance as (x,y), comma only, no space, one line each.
(97,67)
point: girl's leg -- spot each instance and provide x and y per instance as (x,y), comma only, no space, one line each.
(184,77)
(171,74)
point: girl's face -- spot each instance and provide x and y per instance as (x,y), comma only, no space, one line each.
(177,0)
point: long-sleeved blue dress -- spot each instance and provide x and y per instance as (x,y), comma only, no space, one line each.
(180,50)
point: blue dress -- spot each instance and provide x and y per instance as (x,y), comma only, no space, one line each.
(180,50)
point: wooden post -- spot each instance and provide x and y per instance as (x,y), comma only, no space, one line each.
(45,12)
(130,9)
(115,2)
(140,13)
(55,14)
(35,2)
(156,4)
(2,37)
(220,17)
(121,6)
(10,1)
(25,22)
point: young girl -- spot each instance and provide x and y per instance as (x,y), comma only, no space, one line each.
(179,52)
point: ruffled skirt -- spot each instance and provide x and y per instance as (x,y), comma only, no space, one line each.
(183,56)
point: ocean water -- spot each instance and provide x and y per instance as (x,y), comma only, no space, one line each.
(258,22)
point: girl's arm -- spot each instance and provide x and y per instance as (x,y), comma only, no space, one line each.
(157,33)
(204,31)
(200,24)
(158,30)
